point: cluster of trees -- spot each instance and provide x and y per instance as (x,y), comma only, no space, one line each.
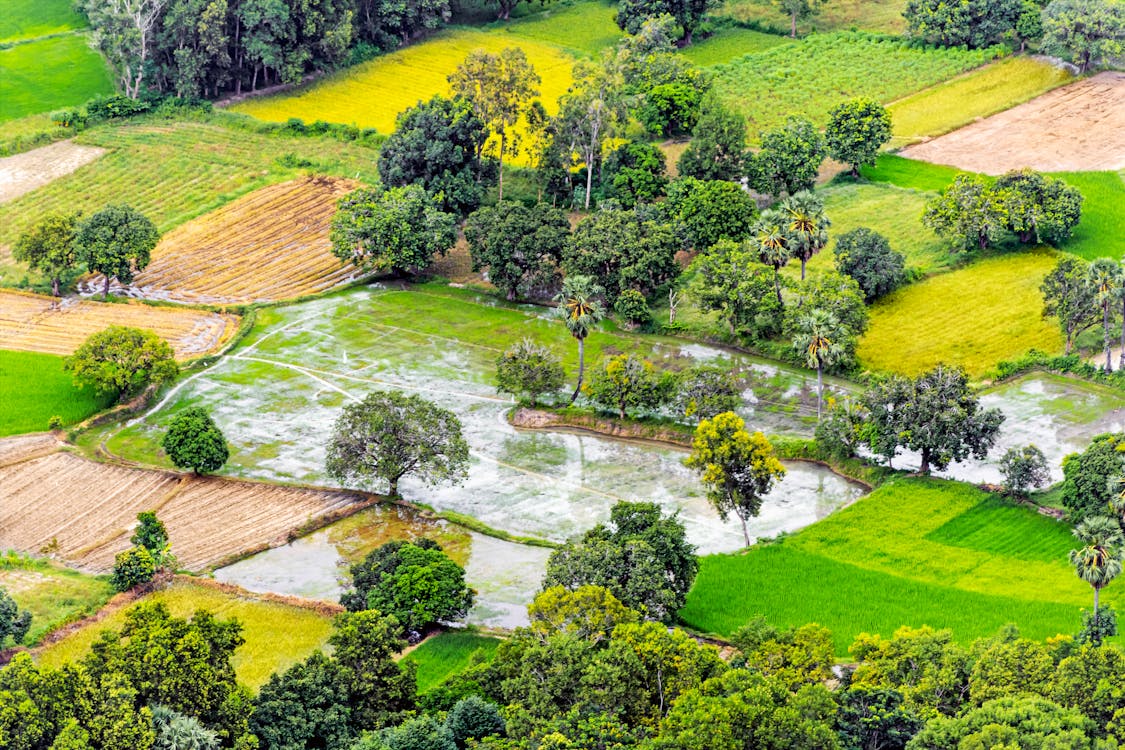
(977,212)
(14,621)
(1083,295)
(1085,32)
(151,553)
(116,242)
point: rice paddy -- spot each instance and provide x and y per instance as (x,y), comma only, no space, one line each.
(50,73)
(54,595)
(446,654)
(34,387)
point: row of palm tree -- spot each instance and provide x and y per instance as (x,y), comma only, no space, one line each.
(1107,277)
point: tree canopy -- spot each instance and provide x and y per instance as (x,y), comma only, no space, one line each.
(193,441)
(122,361)
(116,242)
(397,230)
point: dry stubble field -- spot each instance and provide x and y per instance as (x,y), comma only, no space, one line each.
(1079,127)
(24,172)
(35,323)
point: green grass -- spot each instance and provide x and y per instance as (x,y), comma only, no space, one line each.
(1103,214)
(840,15)
(973,317)
(980,93)
(811,76)
(34,387)
(54,595)
(728,43)
(175,171)
(49,74)
(26,19)
(914,552)
(446,654)
(584,28)
(910,173)
(277,635)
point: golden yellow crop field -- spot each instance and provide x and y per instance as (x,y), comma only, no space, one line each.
(372,94)
(270,245)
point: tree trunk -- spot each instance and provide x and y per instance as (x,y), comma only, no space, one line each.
(581,367)
(1105,338)
(1121,357)
(793,26)
(105,295)
(55,286)
(394,486)
(804,260)
(500,187)
(1096,592)
(777,285)
(589,181)
(925,467)
(745,531)
(1069,340)
(819,390)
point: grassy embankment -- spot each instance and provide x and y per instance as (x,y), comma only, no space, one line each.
(54,595)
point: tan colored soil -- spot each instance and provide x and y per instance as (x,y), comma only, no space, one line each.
(1080,127)
(24,447)
(24,172)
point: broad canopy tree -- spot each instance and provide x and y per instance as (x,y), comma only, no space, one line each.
(116,242)
(866,256)
(49,247)
(1069,297)
(521,246)
(193,441)
(718,144)
(789,158)
(122,361)
(623,250)
(627,382)
(856,129)
(529,370)
(1084,31)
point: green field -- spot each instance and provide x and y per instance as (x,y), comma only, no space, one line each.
(50,73)
(914,552)
(584,27)
(277,635)
(53,594)
(728,43)
(26,19)
(175,171)
(980,93)
(841,15)
(34,387)
(812,76)
(973,317)
(446,654)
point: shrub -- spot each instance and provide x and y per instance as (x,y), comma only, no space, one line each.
(867,257)
(55,422)
(632,306)
(14,622)
(132,567)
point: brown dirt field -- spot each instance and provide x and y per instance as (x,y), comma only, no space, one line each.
(1080,127)
(84,511)
(33,322)
(24,447)
(270,245)
(24,172)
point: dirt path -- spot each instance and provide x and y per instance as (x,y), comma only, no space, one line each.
(24,172)
(1079,127)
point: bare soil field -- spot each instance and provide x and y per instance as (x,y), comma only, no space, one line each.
(24,172)
(32,322)
(25,447)
(1080,127)
(84,511)
(270,245)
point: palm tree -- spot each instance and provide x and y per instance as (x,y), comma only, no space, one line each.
(770,240)
(1105,275)
(581,311)
(808,226)
(819,338)
(1099,561)
(1117,499)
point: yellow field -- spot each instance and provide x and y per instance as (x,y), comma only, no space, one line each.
(980,93)
(973,317)
(34,323)
(269,245)
(372,94)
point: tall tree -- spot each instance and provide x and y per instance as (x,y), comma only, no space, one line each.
(125,32)
(14,622)
(856,130)
(396,230)
(49,247)
(798,10)
(718,144)
(708,211)
(623,250)
(580,309)
(1069,296)
(1084,31)
(499,88)
(770,240)
(116,242)
(1106,278)
(807,225)
(789,158)
(1038,208)
(969,212)
(591,110)
(972,23)
(1098,560)
(391,435)
(728,278)
(521,247)
(737,467)
(819,339)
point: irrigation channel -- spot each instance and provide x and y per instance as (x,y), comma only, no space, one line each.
(278,393)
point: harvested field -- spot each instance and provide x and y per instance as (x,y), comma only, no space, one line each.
(25,447)
(209,519)
(24,172)
(32,322)
(269,245)
(1073,128)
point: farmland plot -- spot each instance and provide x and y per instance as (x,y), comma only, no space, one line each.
(24,172)
(32,322)
(269,245)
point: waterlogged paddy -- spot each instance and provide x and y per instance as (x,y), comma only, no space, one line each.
(277,396)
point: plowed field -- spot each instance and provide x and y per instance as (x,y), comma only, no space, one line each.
(23,173)
(84,511)
(1071,129)
(269,245)
(31,322)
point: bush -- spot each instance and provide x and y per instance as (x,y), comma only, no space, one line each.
(55,422)
(116,106)
(1097,627)
(132,567)
(14,622)
(72,117)
(867,257)
(632,307)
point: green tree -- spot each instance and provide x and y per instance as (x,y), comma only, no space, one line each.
(588,612)
(670,109)
(418,733)
(520,246)
(174,731)
(728,279)
(771,242)
(1009,665)
(391,435)
(1098,561)
(366,645)
(1069,296)
(122,361)
(1084,31)
(1011,721)
(926,666)
(969,211)
(580,309)
(116,242)
(973,23)
(49,247)
(14,622)
(819,339)
(709,211)
(795,656)
(528,369)
(875,719)
(1091,680)
(1024,469)
(499,88)
(635,173)
(631,14)
(627,382)
(1085,489)
(1039,208)
(856,130)
(632,308)
(807,226)
(396,230)
(150,533)
(866,256)
(718,144)
(590,111)
(623,250)
(436,145)
(737,468)
(473,718)
(193,441)
(705,390)
(416,583)
(1108,282)
(789,158)
(798,10)
(306,706)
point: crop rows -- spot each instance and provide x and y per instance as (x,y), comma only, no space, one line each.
(272,244)
(30,322)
